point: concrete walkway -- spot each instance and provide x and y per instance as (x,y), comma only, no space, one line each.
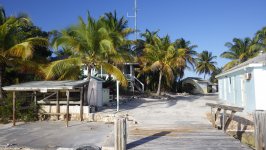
(179,123)
(53,135)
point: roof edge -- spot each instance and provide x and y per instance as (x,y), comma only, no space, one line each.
(253,65)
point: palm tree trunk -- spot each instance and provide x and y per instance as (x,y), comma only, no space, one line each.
(159,84)
(1,90)
(204,75)
(89,73)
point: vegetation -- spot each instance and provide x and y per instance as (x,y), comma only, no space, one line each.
(239,51)
(91,45)
(160,55)
(205,63)
(103,42)
(16,48)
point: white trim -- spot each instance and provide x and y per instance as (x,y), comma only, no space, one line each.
(241,68)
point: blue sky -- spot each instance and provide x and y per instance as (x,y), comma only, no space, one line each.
(206,23)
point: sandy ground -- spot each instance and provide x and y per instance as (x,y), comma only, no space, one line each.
(177,110)
(157,114)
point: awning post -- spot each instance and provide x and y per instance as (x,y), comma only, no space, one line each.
(14,108)
(117,95)
(81,103)
(67,110)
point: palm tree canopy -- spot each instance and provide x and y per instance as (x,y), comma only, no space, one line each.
(91,44)
(239,51)
(188,54)
(205,63)
(261,38)
(161,56)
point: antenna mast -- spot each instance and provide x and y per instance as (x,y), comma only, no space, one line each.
(135,18)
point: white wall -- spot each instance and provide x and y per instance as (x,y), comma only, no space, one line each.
(95,93)
(260,88)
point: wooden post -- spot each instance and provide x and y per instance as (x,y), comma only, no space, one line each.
(57,105)
(224,119)
(120,132)
(117,95)
(230,118)
(216,116)
(260,129)
(67,109)
(81,103)
(14,108)
(35,98)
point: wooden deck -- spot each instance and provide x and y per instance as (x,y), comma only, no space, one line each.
(172,137)
(177,123)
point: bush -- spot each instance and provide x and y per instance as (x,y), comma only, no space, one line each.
(25,108)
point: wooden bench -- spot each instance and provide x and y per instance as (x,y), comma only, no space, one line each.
(225,118)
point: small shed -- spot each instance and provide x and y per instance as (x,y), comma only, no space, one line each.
(244,84)
(96,92)
(195,85)
(51,88)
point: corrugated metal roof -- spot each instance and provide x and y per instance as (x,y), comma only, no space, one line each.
(46,85)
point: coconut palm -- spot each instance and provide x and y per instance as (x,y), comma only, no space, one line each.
(13,49)
(161,56)
(205,63)
(148,39)
(184,47)
(261,38)
(239,51)
(89,43)
(118,30)
(188,54)
(217,71)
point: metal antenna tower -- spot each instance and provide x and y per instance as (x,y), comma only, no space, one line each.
(135,18)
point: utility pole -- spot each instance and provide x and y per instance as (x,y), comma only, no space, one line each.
(135,18)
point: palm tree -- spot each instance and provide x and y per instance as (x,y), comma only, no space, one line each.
(215,73)
(148,39)
(187,53)
(89,43)
(161,56)
(118,30)
(205,63)
(239,51)
(261,38)
(13,49)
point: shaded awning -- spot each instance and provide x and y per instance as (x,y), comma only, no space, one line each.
(44,86)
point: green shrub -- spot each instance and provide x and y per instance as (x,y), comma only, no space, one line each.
(25,108)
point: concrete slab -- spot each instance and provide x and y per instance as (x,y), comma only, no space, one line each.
(54,134)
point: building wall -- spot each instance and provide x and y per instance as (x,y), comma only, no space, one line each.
(234,89)
(95,93)
(260,88)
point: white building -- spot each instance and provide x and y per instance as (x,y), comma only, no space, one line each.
(244,85)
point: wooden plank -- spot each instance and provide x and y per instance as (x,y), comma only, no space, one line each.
(230,118)
(120,133)
(14,108)
(60,102)
(260,129)
(227,107)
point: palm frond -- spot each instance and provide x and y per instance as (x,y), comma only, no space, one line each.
(63,69)
(113,70)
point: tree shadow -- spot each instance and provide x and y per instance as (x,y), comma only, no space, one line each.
(147,139)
